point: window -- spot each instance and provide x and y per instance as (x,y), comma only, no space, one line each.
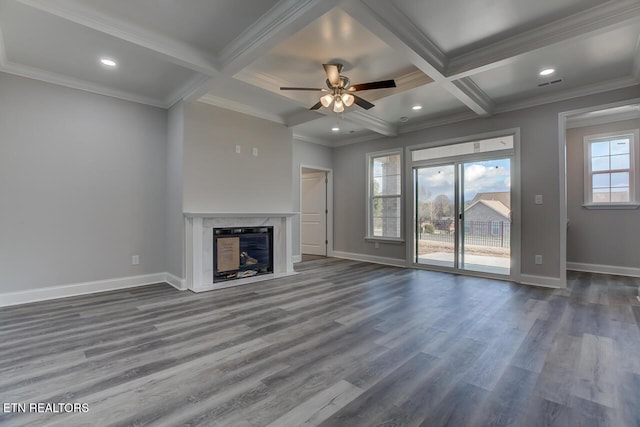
(495,228)
(385,195)
(611,169)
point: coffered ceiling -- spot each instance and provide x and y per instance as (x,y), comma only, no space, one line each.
(455,59)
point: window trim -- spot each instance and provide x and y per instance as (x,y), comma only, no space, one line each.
(369,232)
(634,170)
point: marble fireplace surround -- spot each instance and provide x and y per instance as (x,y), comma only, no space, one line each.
(199,246)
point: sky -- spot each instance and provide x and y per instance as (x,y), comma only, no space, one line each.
(486,176)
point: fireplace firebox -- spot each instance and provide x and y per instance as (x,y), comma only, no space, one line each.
(241,252)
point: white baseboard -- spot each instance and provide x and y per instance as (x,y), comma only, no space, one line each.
(176,282)
(604,269)
(296,258)
(54,292)
(370,258)
(544,281)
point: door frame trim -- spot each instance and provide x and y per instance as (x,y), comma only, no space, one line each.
(329,235)
(562,153)
(516,201)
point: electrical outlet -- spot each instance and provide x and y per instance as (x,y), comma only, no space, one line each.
(255,152)
(135,260)
(238,149)
(538,259)
(376,245)
(538,199)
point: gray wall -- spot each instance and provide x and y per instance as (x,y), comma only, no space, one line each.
(594,236)
(539,173)
(174,218)
(82,186)
(216,179)
(307,154)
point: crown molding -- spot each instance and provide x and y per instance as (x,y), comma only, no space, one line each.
(303,138)
(3,52)
(193,85)
(240,108)
(370,122)
(591,89)
(281,21)
(175,51)
(573,123)
(59,79)
(357,140)
(438,121)
(302,116)
(636,61)
(595,20)
(479,101)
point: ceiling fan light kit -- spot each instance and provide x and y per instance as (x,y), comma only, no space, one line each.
(341,91)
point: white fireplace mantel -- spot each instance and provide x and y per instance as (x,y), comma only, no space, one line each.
(199,245)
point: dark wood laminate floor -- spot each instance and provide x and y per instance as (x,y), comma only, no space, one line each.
(341,344)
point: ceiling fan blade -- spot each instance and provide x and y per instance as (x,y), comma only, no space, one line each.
(316,106)
(383,84)
(302,88)
(362,102)
(333,73)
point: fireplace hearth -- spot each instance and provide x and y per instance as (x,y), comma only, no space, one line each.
(241,252)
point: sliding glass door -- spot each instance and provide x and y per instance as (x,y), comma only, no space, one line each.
(462,217)
(435,215)
(485,216)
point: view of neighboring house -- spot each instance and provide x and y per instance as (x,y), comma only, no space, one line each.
(488,214)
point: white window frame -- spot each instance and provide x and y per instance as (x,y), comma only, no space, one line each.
(370,197)
(634,170)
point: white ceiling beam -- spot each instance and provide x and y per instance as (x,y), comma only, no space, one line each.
(384,20)
(598,19)
(174,51)
(285,19)
(388,23)
(467,91)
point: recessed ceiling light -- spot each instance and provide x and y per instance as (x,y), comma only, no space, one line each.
(335,129)
(547,71)
(417,107)
(108,62)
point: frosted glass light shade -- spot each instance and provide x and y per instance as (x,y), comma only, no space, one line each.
(347,99)
(326,100)
(338,106)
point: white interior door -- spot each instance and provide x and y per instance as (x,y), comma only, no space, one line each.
(314,213)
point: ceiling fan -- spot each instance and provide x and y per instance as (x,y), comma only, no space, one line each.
(340,91)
